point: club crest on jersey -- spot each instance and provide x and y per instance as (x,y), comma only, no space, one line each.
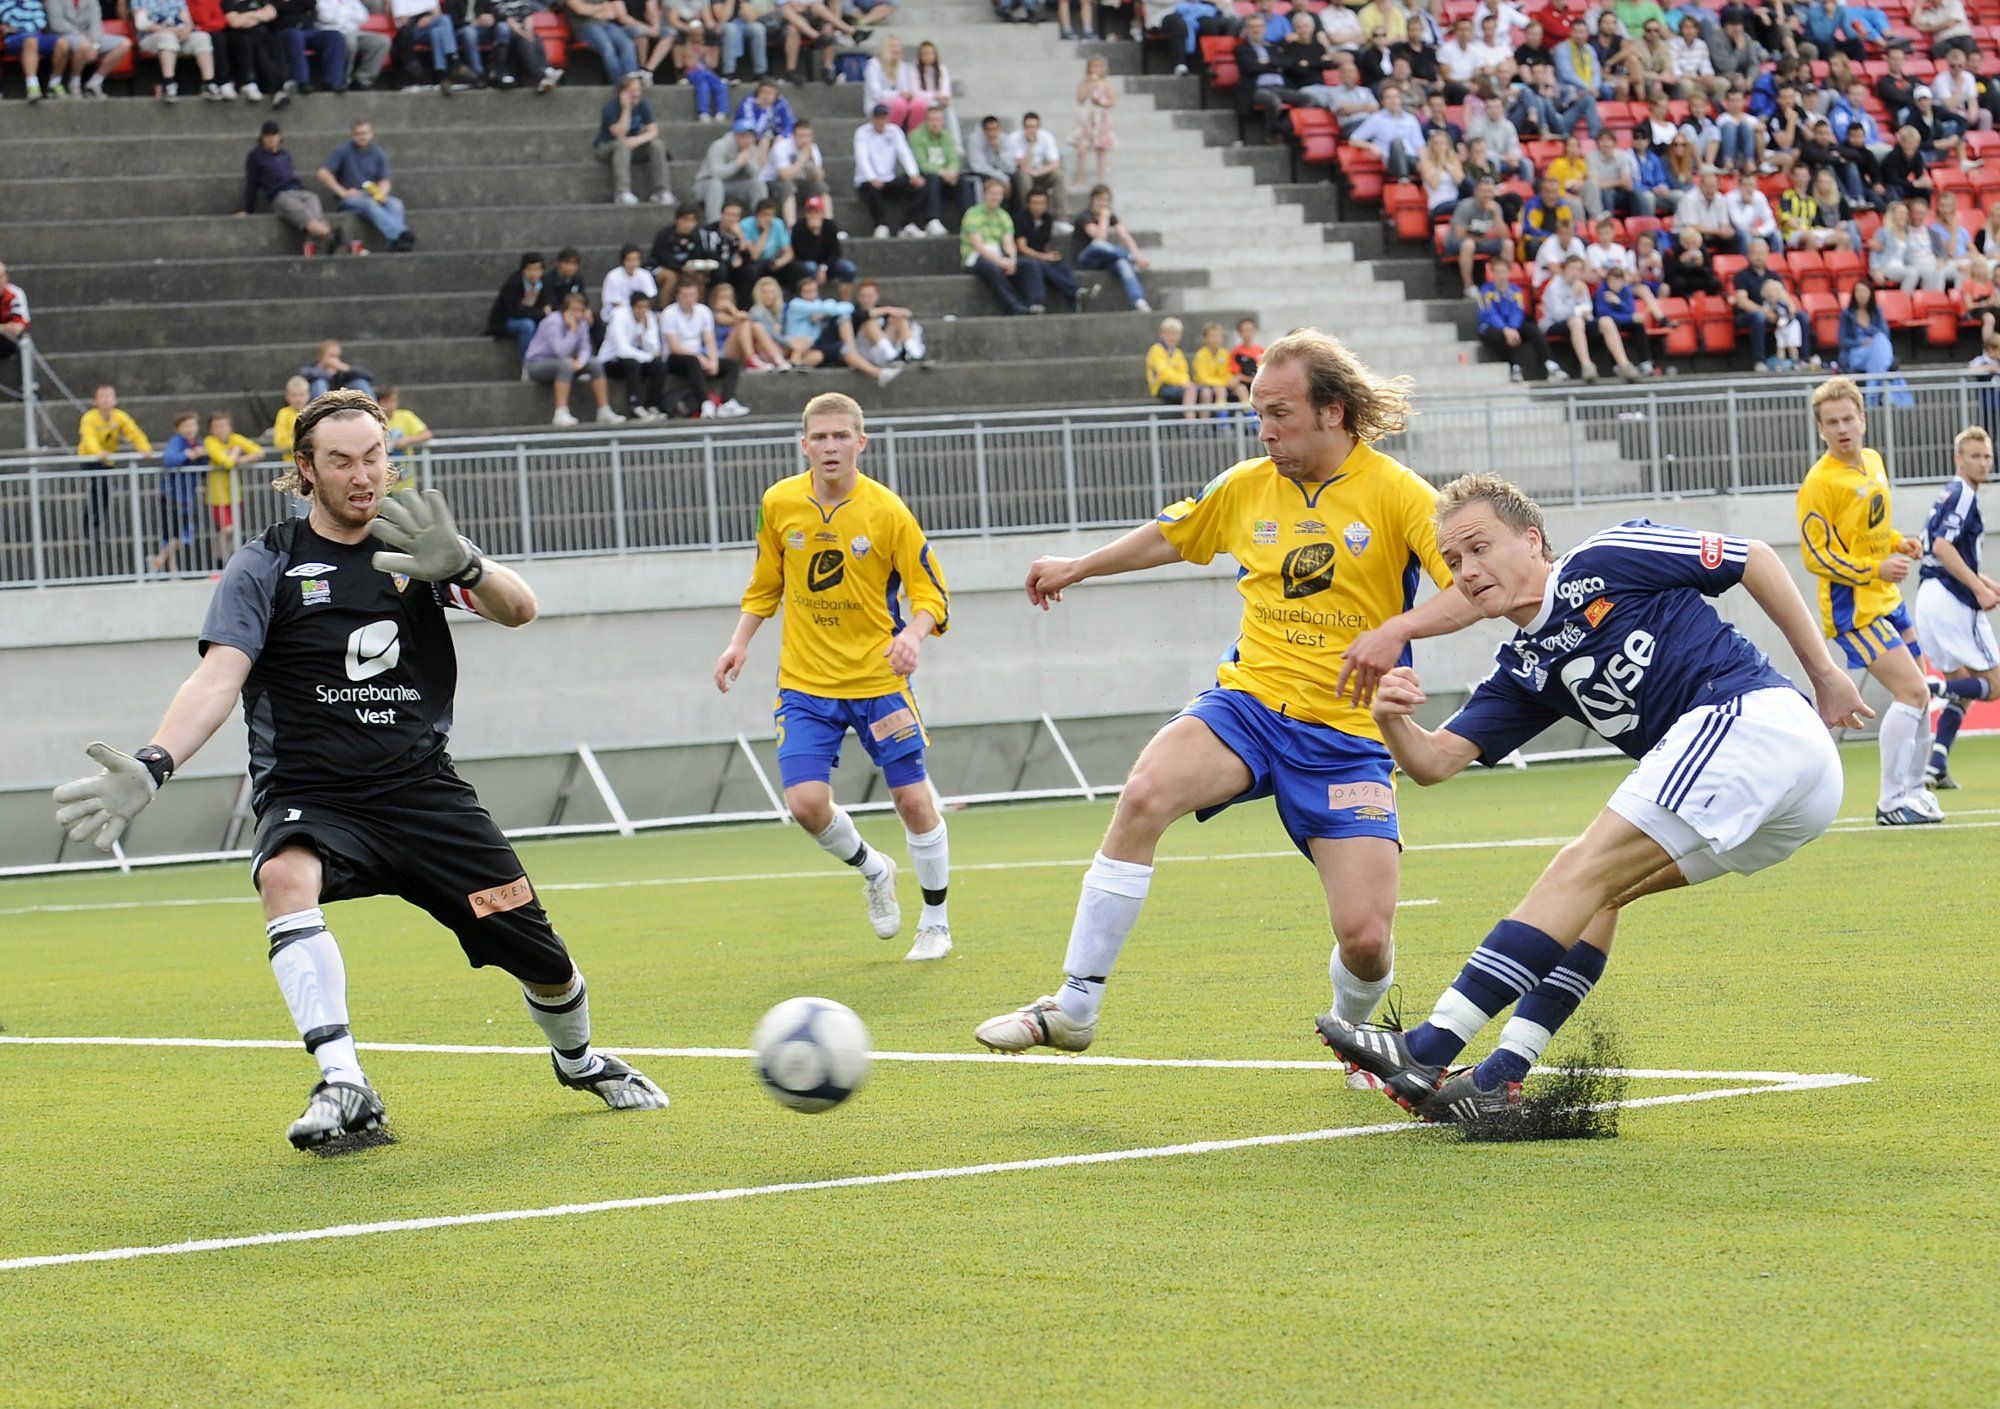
(861,547)
(1264,531)
(1601,608)
(1357,537)
(314,592)
(311,570)
(1711,551)
(400,579)
(796,539)
(1309,526)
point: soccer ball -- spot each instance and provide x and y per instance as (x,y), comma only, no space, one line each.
(810,1053)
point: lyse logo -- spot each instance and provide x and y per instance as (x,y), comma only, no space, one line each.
(1579,590)
(374,649)
(1610,703)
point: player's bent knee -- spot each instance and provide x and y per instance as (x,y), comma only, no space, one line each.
(290,880)
(1365,942)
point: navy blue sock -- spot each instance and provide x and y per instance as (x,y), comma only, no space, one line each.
(1511,961)
(1970,687)
(1949,718)
(1539,1015)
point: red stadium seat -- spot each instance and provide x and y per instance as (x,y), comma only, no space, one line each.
(1727,266)
(1898,307)
(1362,167)
(1823,312)
(1716,322)
(1846,267)
(1937,310)
(122,30)
(1218,56)
(554,36)
(1808,270)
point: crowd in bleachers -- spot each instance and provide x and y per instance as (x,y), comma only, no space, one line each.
(1635,184)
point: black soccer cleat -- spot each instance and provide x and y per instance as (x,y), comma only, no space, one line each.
(616,1084)
(1458,1101)
(337,1109)
(1381,1051)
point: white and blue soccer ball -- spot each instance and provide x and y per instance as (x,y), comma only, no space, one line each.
(810,1053)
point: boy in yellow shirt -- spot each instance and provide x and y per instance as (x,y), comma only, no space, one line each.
(226,450)
(1167,379)
(406,431)
(1215,376)
(298,392)
(102,432)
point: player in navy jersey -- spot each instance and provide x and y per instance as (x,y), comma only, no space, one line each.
(1953,597)
(1736,770)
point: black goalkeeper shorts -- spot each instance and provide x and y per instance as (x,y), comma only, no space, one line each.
(432,844)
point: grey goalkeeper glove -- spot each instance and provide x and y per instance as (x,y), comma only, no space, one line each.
(105,803)
(420,524)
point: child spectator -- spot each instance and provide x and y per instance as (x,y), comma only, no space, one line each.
(268,171)
(1566,312)
(1787,327)
(358,175)
(768,114)
(626,125)
(1616,310)
(738,334)
(523,301)
(885,333)
(1168,380)
(1096,96)
(166,31)
(1690,271)
(1105,243)
(1506,329)
(711,94)
(634,354)
(298,395)
(1556,250)
(226,451)
(101,433)
(795,169)
(687,332)
(1215,377)
(986,247)
(1604,252)
(78,26)
(180,490)
(406,428)
(559,354)
(1248,352)
(767,321)
(328,371)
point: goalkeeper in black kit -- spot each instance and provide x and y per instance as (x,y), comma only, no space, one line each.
(332,631)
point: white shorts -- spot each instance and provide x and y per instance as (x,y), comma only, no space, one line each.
(1736,786)
(1953,635)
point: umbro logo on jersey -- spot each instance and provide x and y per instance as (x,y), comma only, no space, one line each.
(373,650)
(311,570)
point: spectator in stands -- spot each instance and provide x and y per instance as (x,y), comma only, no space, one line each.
(1978,297)
(329,371)
(729,170)
(1785,131)
(423,22)
(630,275)
(300,34)
(1740,144)
(986,247)
(600,24)
(985,154)
(1440,173)
(740,28)
(946,186)
(1478,231)
(795,23)
(820,330)
(1829,29)
(1702,130)
(1503,141)
(1848,107)
(735,334)
(227,452)
(816,240)
(767,114)
(626,125)
(1764,309)
(1950,241)
(1561,246)
(1944,23)
(298,395)
(1956,93)
(24,30)
(523,301)
(80,41)
(1579,66)
(1540,214)
(1693,63)
(1750,214)
(740,268)
(102,432)
(1546,103)
(358,176)
(405,428)
(1214,370)
(1435,116)
(1418,52)
(268,171)
(1034,163)
(1168,380)
(1248,352)
(367,51)
(1988,241)
(1566,313)
(559,354)
(767,246)
(767,319)
(499,43)
(1682,167)
(1096,132)
(567,278)
(795,169)
(633,354)
(1041,262)
(1348,99)
(1604,252)
(1506,329)
(1860,172)
(1652,175)
(890,81)
(1611,178)
(1705,209)
(1615,309)
(1103,242)
(1393,134)
(180,490)
(1865,346)
(1184,28)
(1834,213)
(1690,270)
(1733,54)
(1937,131)
(250,51)
(1906,171)
(886,333)
(711,94)
(885,173)
(1798,216)
(166,31)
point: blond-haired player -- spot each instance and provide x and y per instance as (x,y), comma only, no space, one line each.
(837,551)
(1858,557)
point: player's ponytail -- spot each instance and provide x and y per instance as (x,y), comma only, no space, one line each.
(1372,406)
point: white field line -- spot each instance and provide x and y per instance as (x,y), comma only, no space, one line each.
(1847,825)
(857,1181)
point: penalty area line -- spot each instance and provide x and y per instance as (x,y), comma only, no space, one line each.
(856,1181)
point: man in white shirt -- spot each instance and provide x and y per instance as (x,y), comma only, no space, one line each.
(367,52)
(1034,163)
(1957,92)
(1512,18)
(626,279)
(1457,64)
(1493,55)
(795,170)
(885,169)
(1694,66)
(1704,209)
(632,355)
(1749,214)
(687,329)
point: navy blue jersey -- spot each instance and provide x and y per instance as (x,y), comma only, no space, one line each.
(1954,520)
(1624,643)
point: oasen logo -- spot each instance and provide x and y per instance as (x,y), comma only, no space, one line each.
(1610,702)
(373,650)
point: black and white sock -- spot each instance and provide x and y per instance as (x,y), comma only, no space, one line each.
(930,853)
(306,962)
(842,839)
(564,1019)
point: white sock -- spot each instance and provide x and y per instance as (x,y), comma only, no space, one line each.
(1901,725)
(842,840)
(930,854)
(1355,998)
(307,964)
(1113,893)
(1526,1038)
(1920,754)
(564,1019)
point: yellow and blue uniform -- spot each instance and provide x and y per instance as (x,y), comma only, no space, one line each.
(1845,534)
(841,571)
(1317,565)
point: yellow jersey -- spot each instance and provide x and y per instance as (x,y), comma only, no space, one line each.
(281,428)
(1845,533)
(1213,366)
(223,457)
(1317,566)
(99,435)
(841,570)
(1165,367)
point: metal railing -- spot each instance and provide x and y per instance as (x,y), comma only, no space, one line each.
(663,490)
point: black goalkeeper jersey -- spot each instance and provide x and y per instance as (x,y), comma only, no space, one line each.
(350,690)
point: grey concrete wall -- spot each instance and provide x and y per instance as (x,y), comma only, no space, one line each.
(624,649)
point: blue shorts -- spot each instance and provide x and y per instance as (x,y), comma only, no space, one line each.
(1865,643)
(1326,783)
(811,728)
(15,43)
